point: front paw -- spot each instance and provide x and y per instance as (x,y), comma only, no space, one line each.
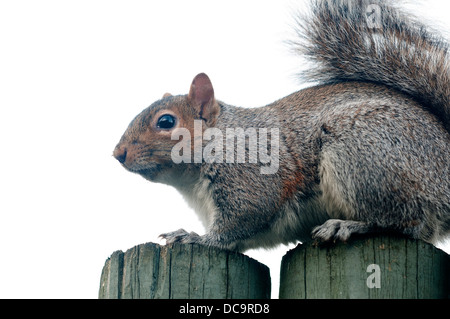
(180,236)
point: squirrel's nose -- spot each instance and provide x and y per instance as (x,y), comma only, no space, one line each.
(120,153)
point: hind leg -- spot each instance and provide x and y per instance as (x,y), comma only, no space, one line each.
(336,229)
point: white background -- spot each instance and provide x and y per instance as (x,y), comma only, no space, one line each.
(73,74)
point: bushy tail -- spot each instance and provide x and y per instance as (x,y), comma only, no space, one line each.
(371,40)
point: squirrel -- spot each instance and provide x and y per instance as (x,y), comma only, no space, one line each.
(365,149)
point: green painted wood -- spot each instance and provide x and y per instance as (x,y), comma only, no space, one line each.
(407,269)
(151,271)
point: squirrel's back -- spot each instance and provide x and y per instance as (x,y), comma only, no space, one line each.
(362,40)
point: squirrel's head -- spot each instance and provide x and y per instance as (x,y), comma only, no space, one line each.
(146,146)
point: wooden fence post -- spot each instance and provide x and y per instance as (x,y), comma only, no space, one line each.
(366,267)
(151,271)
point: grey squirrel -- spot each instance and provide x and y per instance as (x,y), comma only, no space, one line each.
(365,150)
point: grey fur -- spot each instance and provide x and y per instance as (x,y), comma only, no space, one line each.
(366,150)
(395,50)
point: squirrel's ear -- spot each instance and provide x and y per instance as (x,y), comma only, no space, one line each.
(201,96)
(166,95)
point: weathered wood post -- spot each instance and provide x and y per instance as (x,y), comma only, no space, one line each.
(370,267)
(152,271)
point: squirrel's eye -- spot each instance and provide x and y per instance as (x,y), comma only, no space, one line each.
(166,122)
